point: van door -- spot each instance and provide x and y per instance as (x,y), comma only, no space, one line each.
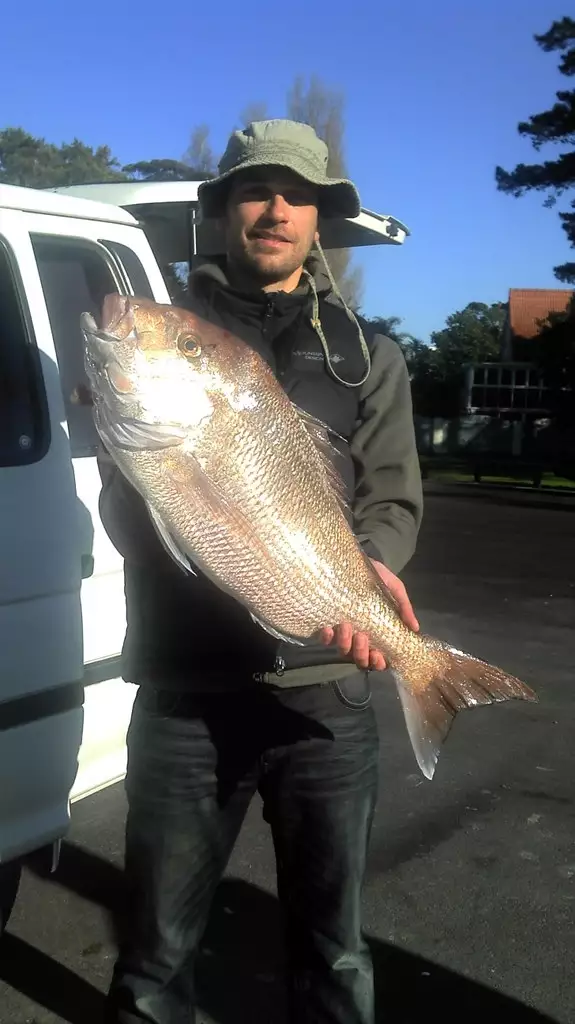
(79,262)
(41,662)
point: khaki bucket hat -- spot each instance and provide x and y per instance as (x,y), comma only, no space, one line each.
(280,143)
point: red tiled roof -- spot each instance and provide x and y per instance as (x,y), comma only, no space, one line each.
(528,305)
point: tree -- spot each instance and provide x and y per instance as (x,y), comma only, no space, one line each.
(433,391)
(429,390)
(554,354)
(33,162)
(256,111)
(553,126)
(470,335)
(162,170)
(199,154)
(323,109)
(389,326)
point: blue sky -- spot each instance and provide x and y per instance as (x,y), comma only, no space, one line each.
(434,91)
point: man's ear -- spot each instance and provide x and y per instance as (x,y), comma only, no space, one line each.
(316,236)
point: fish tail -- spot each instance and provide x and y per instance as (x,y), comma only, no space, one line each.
(456,680)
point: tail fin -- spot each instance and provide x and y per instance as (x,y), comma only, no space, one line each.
(456,681)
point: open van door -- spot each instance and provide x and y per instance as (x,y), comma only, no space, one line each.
(43,536)
(64,708)
(170,216)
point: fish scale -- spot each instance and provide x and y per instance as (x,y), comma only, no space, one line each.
(241,484)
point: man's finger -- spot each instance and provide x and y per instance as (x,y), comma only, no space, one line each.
(377,661)
(407,614)
(345,638)
(326,635)
(356,644)
(360,650)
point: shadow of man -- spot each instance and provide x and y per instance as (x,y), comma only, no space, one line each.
(49,983)
(240,968)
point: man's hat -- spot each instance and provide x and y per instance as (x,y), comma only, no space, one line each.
(280,143)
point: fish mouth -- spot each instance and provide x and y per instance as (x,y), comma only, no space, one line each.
(100,340)
(115,398)
(102,357)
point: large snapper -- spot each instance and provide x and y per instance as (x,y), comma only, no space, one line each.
(240,484)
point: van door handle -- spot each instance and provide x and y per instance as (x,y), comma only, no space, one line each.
(87,566)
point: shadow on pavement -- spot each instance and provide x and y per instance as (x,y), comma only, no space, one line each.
(243,946)
(49,983)
(240,967)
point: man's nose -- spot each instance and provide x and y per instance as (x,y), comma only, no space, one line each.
(277,208)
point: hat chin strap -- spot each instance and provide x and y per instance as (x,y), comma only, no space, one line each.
(317,326)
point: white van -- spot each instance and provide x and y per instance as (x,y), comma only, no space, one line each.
(64,709)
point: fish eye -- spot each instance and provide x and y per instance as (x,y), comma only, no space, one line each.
(189,346)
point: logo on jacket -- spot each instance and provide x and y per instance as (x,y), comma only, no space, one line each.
(308,354)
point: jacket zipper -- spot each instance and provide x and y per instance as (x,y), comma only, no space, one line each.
(279,663)
(268,317)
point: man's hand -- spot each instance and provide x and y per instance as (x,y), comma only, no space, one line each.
(357,644)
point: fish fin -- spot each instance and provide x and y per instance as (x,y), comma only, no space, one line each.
(273,632)
(320,434)
(169,543)
(135,435)
(318,429)
(222,512)
(458,681)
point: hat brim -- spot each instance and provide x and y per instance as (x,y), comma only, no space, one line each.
(338,197)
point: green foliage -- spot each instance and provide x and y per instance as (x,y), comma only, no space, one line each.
(389,326)
(554,353)
(471,335)
(163,170)
(27,160)
(553,126)
(35,163)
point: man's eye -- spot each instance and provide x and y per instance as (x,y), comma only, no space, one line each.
(297,198)
(253,193)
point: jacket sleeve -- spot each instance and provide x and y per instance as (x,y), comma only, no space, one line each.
(388,505)
(124,515)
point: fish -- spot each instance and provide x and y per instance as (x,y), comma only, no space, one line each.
(243,486)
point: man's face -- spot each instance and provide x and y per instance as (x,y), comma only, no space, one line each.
(271,224)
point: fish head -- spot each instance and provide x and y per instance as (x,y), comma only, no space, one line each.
(156,365)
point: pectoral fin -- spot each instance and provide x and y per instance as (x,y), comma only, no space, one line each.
(169,543)
(329,454)
(135,435)
(274,632)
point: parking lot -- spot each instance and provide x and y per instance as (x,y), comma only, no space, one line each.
(470,894)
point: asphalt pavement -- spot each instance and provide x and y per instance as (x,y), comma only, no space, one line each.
(470,895)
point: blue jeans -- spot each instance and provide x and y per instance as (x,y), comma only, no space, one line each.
(195,763)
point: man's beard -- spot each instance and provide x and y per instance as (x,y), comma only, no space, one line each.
(263,272)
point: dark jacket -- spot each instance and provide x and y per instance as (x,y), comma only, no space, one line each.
(183,631)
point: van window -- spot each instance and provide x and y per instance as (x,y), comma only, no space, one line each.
(24,422)
(132,267)
(76,275)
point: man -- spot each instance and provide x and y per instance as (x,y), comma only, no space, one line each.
(224,709)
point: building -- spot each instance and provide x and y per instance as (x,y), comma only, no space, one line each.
(514,388)
(526,309)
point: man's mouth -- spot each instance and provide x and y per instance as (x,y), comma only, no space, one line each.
(266,238)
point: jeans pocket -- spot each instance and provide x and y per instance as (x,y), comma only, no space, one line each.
(353,691)
(159,703)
